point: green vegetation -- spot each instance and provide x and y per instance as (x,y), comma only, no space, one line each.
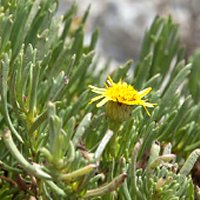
(53,145)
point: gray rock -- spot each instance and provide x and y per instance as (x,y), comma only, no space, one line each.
(123,23)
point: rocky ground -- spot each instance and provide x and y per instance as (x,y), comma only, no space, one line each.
(122,23)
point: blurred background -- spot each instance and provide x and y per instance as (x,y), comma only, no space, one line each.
(122,23)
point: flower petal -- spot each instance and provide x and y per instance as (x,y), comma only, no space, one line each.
(110,80)
(144,92)
(96,98)
(98,92)
(121,92)
(146,110)
(96,88)
(151,105)
(102,102)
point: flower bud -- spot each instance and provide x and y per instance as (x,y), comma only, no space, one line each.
(118,112)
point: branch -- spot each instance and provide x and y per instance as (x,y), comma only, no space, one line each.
(35,170)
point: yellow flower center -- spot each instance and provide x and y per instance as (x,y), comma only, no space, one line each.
(121,92)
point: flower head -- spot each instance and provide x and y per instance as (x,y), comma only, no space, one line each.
(121,93)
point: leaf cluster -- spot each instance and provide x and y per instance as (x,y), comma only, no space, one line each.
(56,146)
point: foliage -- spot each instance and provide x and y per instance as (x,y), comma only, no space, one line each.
(56,146)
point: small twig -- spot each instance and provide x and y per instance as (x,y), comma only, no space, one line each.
(9,180)
(21,183)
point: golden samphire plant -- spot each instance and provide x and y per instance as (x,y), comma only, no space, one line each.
(54,145)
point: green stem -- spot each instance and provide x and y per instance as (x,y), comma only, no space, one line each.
(112,146)
(160,159)
(3,90)
(55,188)
(133,170)
(35,170)
(8,168)
(40,119)
(189,164)
(113,125)
(103,144)
(75,174)
(126,191)
(125,188)
(113,185)
(33,89)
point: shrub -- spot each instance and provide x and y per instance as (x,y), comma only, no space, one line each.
(54,145)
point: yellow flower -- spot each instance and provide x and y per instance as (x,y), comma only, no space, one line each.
(121,93)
